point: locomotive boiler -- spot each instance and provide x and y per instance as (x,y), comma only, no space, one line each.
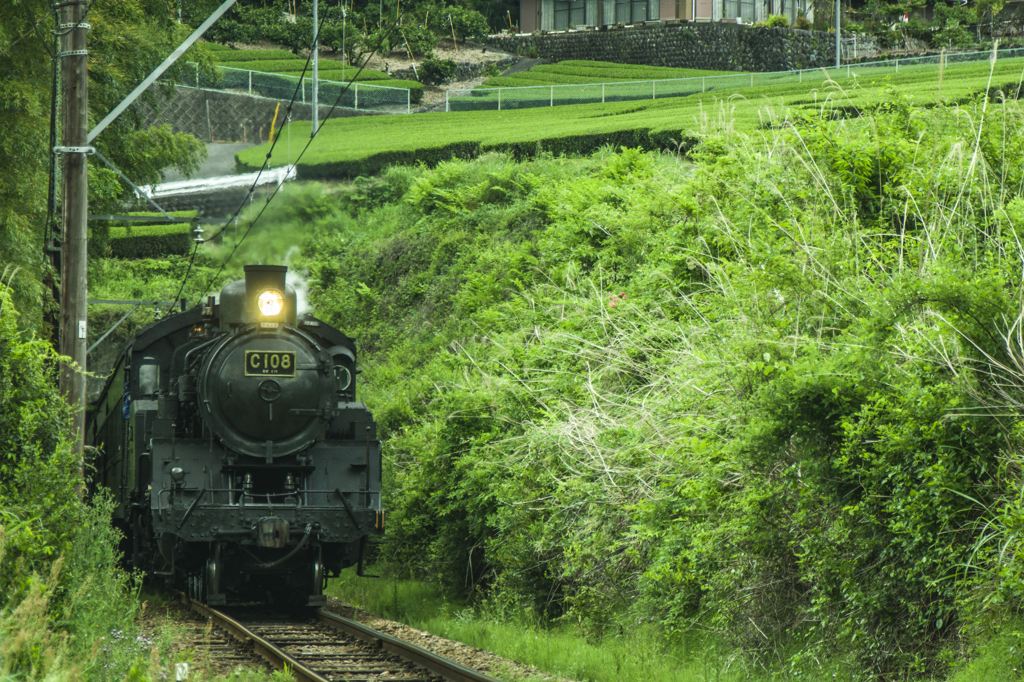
(230,438)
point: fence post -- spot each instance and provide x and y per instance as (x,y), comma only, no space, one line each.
(552,95)
(446,109)
(751,79)
(897,66)
(654,89)
(702,84)
(357,95)
(801,78)
(303,89)
(847,70)
(250,84)
(408,101)
(602,93)
(499,99)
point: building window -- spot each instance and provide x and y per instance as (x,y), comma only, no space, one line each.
(739,9)
(634,12)
(570,14)
(791,9)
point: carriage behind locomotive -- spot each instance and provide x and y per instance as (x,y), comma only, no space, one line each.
(237,455)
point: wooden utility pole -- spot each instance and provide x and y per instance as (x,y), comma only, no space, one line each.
(73,285)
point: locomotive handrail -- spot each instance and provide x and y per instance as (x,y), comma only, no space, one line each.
(316,491)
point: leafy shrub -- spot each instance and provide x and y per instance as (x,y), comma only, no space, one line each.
(60,586)
(435,71)
(774,21)
(803,23)
(466,23)
(419,39)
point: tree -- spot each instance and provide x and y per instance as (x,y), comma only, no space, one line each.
(129,38)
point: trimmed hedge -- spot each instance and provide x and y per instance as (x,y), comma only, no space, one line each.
(661,71)
(151,241)
(415,88)
(573,72)
(231,55)
(525,79)
(294,66)
(154,214)
(625,72)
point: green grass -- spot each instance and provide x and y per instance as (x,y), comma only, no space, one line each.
(636,654)
(363,146)
(295,66)
(579,71)
(227,54)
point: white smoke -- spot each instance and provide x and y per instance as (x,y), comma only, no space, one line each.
(298,282)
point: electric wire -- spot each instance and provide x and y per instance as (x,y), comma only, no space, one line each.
(312,136)
(25,34)
(266,162)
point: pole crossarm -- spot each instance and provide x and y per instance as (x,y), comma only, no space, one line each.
(151,78)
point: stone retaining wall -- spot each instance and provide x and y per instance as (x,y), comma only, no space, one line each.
(464,71)
(724,47)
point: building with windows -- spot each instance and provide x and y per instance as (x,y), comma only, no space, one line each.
(561,15)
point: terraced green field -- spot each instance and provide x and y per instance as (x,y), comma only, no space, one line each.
(576,71)
(285,69)
(363,146)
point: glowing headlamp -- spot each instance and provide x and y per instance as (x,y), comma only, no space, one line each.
(270,303)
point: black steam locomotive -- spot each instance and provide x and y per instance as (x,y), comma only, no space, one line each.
(231,439)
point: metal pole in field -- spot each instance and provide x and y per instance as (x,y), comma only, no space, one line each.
(316,46)
(73,281)
(838,33)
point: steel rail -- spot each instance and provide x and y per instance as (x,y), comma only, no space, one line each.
(449,670)
(272,654)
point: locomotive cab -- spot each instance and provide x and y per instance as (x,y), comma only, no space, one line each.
(237,451)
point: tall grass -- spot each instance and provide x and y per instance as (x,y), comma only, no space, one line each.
(747,400)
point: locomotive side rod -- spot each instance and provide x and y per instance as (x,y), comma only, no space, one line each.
(270,653)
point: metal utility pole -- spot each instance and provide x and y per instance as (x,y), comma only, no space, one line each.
(316,50)
(839,45)
(75,208)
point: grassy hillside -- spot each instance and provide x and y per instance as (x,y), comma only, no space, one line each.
(768,393)
(365,146)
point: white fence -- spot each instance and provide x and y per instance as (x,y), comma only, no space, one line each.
(359,96)
(528,97)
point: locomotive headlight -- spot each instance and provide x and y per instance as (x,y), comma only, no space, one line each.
(270,303)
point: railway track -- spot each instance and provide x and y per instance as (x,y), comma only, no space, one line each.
(324,647)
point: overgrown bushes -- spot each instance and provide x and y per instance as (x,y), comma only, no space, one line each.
(764,396)
(60,588)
